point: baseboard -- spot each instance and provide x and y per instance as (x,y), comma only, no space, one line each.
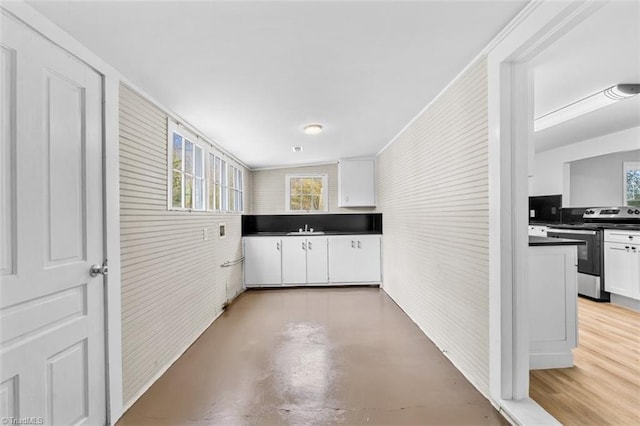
(526,412)
(625,302)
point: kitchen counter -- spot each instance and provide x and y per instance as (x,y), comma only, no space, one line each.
(547,241)
(310,234)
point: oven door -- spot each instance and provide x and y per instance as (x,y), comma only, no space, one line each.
(589,255)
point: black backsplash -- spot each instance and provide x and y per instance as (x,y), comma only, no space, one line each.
(546,208)
(348,223)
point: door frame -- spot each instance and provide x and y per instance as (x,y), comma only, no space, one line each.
(111,192)
(510,114)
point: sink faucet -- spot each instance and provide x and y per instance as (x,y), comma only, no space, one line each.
(306,228)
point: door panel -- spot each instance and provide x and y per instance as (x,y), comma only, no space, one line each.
(317,260)
(294,260)
(263,261)
(52,351)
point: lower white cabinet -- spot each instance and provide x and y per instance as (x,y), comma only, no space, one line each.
(622,263)
(304,260)
(295,260)
(552,302)
(354,259)
(262,261)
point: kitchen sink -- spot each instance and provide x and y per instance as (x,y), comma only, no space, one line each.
(305,233)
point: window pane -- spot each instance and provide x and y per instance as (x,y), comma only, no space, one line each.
(240,201)
(232,180)
(232,200)
(294,202)
(211,196)
(188,193)
(199,194)
(633,187)
(177,151)
(218,204)
(296,185)
(223,172)
(176,190)
(316,202)
(188,157)
(305,202)
(198,164)
(240,180)
(217,170)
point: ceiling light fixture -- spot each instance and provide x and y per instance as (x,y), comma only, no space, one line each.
(583,106)
(297,148)
(313,129)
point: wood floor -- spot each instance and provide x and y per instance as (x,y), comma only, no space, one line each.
(604,386)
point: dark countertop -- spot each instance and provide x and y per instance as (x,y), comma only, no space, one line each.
(325,233)
(546,241)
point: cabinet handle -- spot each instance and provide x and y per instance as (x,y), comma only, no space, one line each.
(278,245)
(310,246)
(303,246)
(359,244)
(353,244)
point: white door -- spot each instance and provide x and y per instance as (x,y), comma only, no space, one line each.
(368,263)
(317,260)
(342,268)
(52,350)
(262,261)
(619,269)
(294,260)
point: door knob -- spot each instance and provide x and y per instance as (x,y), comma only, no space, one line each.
(96,270)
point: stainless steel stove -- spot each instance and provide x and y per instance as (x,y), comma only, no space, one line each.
(591,230)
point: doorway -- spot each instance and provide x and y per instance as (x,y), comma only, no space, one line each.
(52,289)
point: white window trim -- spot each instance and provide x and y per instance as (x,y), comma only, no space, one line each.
(626,166)
(173,127)
(325,192)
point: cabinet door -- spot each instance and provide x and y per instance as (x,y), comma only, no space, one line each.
(294,260)
(368,258)
(317,260)
(342,268)
(356,183)
(262,261)
(620,269)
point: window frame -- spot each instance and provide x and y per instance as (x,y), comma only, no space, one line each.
(626,167)
(186,136)
(324,194)
(221,174)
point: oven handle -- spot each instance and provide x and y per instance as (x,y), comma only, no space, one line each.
(571,231)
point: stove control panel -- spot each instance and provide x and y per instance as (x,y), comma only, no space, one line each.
(619,213)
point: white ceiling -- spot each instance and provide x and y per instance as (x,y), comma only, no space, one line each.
(601,51)
(251,74)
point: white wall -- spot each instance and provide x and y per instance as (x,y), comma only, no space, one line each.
(598,181)
(172,284)
(268,189)
(549,166)
(434,196)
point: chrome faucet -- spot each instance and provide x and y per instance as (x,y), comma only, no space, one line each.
(306,228)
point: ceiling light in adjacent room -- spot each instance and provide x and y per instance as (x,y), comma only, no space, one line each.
(313,129)
(297,149)
(583,106)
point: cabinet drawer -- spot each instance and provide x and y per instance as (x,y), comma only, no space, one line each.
(617,236)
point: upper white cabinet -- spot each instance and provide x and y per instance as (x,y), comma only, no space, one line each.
(356,183)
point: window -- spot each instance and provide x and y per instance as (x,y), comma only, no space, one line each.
(306,193)
(631,183)
(214,183)
(235,189)
(187,178)
(199,178)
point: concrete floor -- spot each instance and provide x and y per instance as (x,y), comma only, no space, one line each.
(313,357)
